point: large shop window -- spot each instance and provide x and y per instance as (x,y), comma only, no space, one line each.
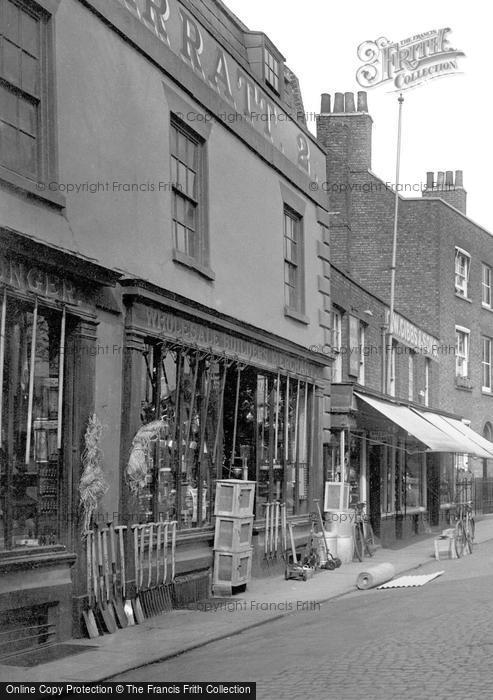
(31,369)
(217,418)
(22,89)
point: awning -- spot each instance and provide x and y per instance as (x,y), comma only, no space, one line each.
(473,436)
(436,439)
(453,426)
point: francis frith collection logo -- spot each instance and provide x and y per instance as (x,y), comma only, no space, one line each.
(407,63)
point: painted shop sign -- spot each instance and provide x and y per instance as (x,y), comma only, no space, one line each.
(24,277)
(169,326)
(196,47)
(412,336)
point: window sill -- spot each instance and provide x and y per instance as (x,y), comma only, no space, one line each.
(296,315)
(463,383)
(486,392)
(461,296)
(40,190)
(193,264)
(486,307)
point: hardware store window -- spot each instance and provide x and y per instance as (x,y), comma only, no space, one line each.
(31,372)
(206,417)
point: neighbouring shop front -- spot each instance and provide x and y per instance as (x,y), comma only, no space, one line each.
(47,324)
(207,398)
(409,465)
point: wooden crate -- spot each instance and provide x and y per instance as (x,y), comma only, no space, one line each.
(233,534)
(234,497)
(231,569)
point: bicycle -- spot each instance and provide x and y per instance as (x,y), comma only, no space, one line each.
(464,528)
(363,536)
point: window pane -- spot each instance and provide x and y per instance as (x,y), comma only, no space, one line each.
(180,238)
(11,70)
(182,147)
(8,145)
(191,184)
(8,106)
(190,250)
(29,74)
(27,117)
(27,153)
(190,215)
(182,177)
(174,171)
(10,23)
(179,208)
(30,34)
(192,155)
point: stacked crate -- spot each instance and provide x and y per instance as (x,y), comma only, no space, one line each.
(233,535)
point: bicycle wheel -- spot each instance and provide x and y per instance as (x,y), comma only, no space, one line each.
(358,542)
(370,545)
(460,536)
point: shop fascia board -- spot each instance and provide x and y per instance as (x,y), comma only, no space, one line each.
(194,311)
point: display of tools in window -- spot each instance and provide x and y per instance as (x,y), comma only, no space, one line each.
(181,397)
(31,402)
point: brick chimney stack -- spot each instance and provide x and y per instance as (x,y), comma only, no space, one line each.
(345,131)
(447,187)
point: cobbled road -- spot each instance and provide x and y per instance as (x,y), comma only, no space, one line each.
(435,641)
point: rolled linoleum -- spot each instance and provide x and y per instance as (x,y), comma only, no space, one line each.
(375,575)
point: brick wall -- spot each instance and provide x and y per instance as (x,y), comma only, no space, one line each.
(428,231)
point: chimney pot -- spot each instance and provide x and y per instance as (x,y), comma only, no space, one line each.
(339,102)
(362,101)
(325,105)
(449,178)
(349,102)
(440,179)
(459,178)
(429,180)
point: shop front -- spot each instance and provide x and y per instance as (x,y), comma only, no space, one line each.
(207,398)
(397,458)
(47,324)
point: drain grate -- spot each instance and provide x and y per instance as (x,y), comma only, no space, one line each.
(45,654)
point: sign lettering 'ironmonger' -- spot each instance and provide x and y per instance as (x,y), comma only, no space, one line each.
(179,31)
(25,277)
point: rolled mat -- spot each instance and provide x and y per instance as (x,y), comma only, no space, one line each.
(381,573)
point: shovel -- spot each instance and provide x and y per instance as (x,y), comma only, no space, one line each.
(148,594)
(116,601)
(89,619)
(127,604)
(267,530)
(168,600)
(106,613)
(137,607)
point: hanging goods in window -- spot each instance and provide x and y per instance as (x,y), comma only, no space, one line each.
(92,485)
(2,361)
(237,471)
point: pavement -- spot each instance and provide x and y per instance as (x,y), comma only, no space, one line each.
(171,634)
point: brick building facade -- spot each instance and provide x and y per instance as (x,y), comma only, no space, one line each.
(443,277)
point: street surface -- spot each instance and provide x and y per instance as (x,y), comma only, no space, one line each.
(430,642)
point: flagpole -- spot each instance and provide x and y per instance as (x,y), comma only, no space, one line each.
(394,248)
